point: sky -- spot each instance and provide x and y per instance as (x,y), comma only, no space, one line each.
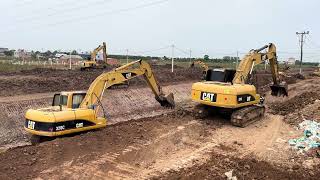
(149,27)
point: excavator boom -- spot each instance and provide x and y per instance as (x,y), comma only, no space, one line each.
(256,57)
(122,74)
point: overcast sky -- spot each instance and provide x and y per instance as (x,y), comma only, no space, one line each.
(212,27)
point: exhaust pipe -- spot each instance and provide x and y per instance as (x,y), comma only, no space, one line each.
(279,89)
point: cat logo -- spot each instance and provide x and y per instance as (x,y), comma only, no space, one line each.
(208,97)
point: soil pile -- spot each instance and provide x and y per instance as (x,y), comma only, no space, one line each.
(245,168)
(52,80)
(297,102)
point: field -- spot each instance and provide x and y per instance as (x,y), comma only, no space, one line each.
(146,141)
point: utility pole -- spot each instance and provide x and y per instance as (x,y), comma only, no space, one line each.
(172,58)
(237,59)
(302,34)
(70,60)
(190,55)
(127,50)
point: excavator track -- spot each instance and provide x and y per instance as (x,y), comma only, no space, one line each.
(200,111)
(244,116)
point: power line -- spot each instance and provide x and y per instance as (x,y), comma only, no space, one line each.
(183,51)
(152,50)
(61,11)
(79,19)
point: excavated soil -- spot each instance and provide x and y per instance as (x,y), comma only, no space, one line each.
(286,107)
(218,165)
(52,80)
(301,103)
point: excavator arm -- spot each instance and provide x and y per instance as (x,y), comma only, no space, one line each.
(203,65)
(102,47)
(255,57)
(122,74)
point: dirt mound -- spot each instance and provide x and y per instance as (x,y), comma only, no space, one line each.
(309,112)
(51,80)
(297,102)
(245,168)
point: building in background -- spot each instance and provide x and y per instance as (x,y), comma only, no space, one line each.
(22,54)
(65,58)
(291,61)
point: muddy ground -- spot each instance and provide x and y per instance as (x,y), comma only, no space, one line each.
(145,141)
(52,80)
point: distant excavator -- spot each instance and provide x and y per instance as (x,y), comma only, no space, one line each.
(228,91)
(78,111)
(92,63)
(203,65)
(317,71)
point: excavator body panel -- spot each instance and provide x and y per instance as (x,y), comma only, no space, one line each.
(224,95)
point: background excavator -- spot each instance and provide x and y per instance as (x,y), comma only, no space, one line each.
(227,90)
(317,71)
(93,63)
(203,65)
(78,111)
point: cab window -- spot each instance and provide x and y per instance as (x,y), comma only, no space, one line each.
(56,100)
(63,100)
(77,100)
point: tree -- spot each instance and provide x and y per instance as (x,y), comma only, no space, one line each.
(9,53)
(74,52)
(33,55)
(226,58)
(206,57)
(48,54)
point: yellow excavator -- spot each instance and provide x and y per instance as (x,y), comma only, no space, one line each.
(317,71)
(78,111)
(92,62)
(227,90)
(203,65)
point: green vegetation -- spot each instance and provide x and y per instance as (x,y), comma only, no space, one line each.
(9,67)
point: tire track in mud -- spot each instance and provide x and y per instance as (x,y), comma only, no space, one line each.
(120,105)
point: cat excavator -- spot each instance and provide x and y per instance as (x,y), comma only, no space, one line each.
(203,65)
(92,63)
(78,111)
(228,91)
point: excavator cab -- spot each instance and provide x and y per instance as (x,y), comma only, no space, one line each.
(70,100)
(220,75)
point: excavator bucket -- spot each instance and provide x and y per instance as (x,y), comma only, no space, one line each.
(167,101)
(279,89)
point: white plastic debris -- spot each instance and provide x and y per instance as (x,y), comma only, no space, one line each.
(310,138)
(230,176)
